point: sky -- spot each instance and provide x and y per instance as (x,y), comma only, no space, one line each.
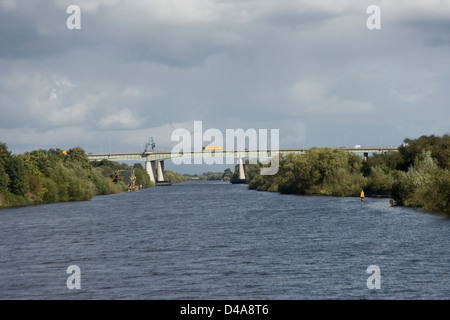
(138,69)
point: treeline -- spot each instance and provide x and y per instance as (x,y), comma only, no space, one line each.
(418,175)
(111,170)
(224,176)
(326,171)
(174,177)
(55,175)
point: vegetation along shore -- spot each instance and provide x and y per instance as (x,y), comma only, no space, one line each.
(418,175)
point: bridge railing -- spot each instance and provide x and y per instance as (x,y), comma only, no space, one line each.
(260,153)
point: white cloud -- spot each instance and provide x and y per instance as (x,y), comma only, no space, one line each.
(142,92)
(312,97)
(121,119)
(73,114)
(171,11)
(8,4)
(307,91)
(46,138)
(416,9)
(88,5)
(138,66)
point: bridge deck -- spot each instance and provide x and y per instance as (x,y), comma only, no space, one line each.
(165,155)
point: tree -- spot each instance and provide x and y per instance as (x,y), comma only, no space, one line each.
(417,187)
(51,191)
(380,180)
(169,175)
(142,177)
(439,147)
(18,183)
(3,179)
(318,171)
(77,157)
(5,155)
(43,160)
(227,174)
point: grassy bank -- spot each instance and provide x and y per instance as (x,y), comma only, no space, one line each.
(418,175)
(49,176)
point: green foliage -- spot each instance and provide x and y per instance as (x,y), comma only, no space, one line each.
(103,184)
(227,174)
(47,176)
(251,171)
(3,179)
(380,180)
(43,160)
(425,185)
(387,162)
(142,177)
(319,171)
(18,183)
(109,168)
(76,157)
(80,189)
(418,175)
(438,146)
(51,191)
(437,198)
(5,155)
(169,175)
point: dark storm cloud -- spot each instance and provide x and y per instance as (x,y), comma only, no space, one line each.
(435,32)
(32,29)
(141,68)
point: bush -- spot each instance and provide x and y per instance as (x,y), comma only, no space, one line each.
(51,191)
(380,180)
(55,176)
(437,198)
(319,171)
(142,177)
(80,189)
(425,185)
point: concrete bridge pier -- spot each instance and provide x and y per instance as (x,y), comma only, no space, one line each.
(150,168)
(160,175)
(155,170)
(241,169)
(366,155)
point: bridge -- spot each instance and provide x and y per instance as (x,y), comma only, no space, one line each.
(154,160)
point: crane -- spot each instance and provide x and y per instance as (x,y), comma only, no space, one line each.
(150,143)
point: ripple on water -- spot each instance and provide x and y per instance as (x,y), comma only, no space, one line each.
(201,240)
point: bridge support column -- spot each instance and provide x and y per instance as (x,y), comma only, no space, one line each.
(160,175)
(241,169)
(150,168)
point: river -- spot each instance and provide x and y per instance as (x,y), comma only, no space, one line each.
(216,240)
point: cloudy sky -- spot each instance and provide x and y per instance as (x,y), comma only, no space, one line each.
(135,69)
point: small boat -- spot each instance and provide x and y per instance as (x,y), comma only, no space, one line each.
(164,183)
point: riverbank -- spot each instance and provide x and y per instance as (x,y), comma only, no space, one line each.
(55,175)
(416,176)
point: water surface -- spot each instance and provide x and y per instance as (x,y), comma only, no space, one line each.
(215,240)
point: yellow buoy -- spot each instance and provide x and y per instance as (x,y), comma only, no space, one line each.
(362,195)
